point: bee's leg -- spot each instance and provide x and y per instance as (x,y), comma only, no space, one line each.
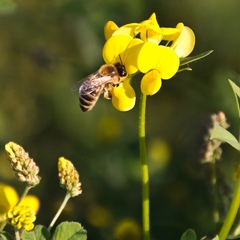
(107,94)
(114,84)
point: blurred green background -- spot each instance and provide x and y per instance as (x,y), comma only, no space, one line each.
(47,46)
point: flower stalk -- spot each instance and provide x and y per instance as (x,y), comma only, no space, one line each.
(144,168)
(69,180)
(231,213)
(67,197)
(24,194)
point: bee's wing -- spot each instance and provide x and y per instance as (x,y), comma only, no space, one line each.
(91,81)
(77,85)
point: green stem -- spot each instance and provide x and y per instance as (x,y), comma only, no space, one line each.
(17,234)
(144,167)
(231,213)
(24,194)
(67,197)
(215,192)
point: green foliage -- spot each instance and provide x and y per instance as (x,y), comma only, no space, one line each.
(189,235)
(70,231)
(65,230)
(222,134)
(39,233)
(5,236)
(236,91)
(187,60)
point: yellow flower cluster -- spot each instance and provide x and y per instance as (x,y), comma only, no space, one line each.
(22,217)
(138,46)
(25,168)
(9,198)
(69,177)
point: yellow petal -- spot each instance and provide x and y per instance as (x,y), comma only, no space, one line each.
(167,62)
(8,198)
(153,18)
(123,97)
(109,28)
(161,58)
(150,30)
(31,201)
(185,42)
(115,47)
(130,29)
(148,52)
(130,56)
(151,83)
(169,34)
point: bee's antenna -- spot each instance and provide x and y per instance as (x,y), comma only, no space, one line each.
(120,59)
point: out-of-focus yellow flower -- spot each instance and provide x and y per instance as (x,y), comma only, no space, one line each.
(98,216)
(127,229)
(159,154)
(69,177)
(109,129)
(9,198)
(22,216)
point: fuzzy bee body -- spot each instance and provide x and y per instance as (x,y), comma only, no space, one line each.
(91,87)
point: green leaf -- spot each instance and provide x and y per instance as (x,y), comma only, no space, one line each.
(70,231)
(236,91)
(184,69)
(224,135)
(28,235)
(189,235)
(188,60)
(5,236)
(39,233)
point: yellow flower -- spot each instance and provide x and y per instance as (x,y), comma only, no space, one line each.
(111,29)
(127,229)
(145,55)
(22,216)
(184,43)
(9,198)
(69,177)
(123,49)
(123,97)
(158,62)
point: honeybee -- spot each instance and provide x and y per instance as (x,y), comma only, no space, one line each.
(91,87)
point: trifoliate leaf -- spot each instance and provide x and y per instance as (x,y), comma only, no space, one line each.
(70,231)
(38,233)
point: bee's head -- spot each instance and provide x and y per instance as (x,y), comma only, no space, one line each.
(121,70)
